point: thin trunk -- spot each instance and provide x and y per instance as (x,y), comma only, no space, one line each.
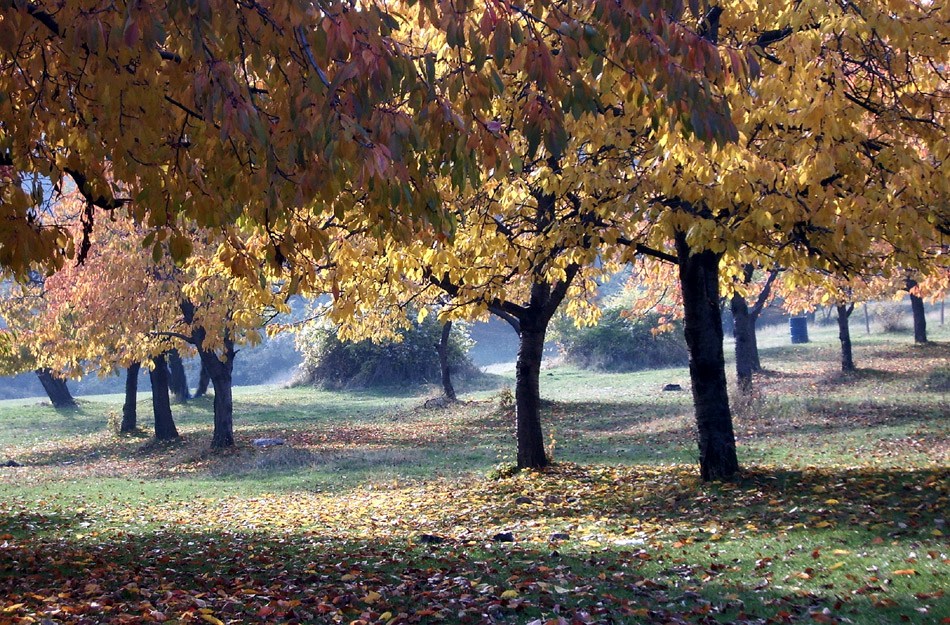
(177,380)
(528,396)
(56,389)
(699,281)
(844,335)
(446,370)
(220,373)
(161,406)
(920,319)
(867,320)
(754,313)
(756,362)
(744,334)
(204,380)
(129,415)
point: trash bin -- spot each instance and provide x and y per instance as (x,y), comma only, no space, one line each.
(798,328)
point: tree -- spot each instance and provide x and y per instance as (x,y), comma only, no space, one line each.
(129,414)
(744,319)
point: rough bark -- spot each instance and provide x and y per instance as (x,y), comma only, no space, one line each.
(699,281)
(844,335)
(161,405)
(920,319)
(528,395)
(204,380)
(129,415)
(445,368)
(177,379)
(56,389)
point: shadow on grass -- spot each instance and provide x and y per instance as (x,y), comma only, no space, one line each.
(313,574)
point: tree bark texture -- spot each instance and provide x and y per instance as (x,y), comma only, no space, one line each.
(161,405)
(129,416)
(920,319)
(699,281)
(844,336)
(177,379)
(219,371)
(445,368)
(528,397)
(744,333)
(204,380)
(56,389)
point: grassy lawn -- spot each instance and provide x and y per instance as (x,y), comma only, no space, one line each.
(379,510)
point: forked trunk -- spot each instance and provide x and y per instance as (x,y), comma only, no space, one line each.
(699,281)
(56,389)
(844,335)
(445,368)
(528,397)
(129,415)
(177,379)
(161,406)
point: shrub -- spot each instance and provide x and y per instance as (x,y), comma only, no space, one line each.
(413,361)
(891,316)
(621,343)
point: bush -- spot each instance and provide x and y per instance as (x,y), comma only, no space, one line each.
(413,361)
(619,343)
(891,316)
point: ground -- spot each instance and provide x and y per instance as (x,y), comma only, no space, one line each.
(378,510)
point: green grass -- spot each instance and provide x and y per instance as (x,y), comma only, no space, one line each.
(840,516)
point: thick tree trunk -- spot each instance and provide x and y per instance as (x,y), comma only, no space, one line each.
(744,333)
(129,415)
(920,319)
(445,368)
(844,335)
(177,380)
(528,397)
(220,374)
(203,381)
(699,281)
(56,389)
(161,406)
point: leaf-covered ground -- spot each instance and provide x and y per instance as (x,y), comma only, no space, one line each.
(379,511)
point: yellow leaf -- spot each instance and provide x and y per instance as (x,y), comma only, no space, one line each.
(385,616)
(349,577)
(836,566)
(509,594)
(904,572)
(841,552)
(211,619)
(12,608)
(372,597)
(823,524)
(832,502)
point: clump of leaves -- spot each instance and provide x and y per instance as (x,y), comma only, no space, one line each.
(503,471)
(506,401)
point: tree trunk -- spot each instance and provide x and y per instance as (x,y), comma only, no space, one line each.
(161,406)
(220,374)
(528,397)
(446,370)
(920,319)
(203,381)
(844,335)
(177,380)
(699,282)
(744,334)
(131,396)
(867,320)
(56,389)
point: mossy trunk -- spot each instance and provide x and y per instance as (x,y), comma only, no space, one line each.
(129,415)
(699,281)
